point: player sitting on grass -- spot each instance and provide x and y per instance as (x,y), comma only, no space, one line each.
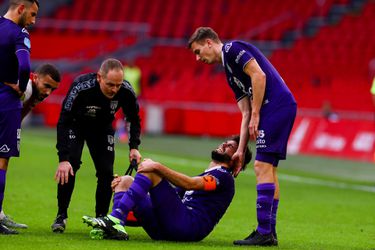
(186,211)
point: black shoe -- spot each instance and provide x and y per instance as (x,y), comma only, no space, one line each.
(257,239)
(5,230)
(110,225)
(59,224)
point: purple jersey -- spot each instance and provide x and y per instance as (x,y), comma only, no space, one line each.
(236,55)
(210,206)
(173,214)
(13,39)
(278,110)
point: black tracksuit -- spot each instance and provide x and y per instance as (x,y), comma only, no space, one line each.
(87,115)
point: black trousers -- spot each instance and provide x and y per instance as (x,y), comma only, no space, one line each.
(100,142)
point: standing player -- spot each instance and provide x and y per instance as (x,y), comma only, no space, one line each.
(41,84)
(87,115)
(268,111)
(187,212)
(14,70)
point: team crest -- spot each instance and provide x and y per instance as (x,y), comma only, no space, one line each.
(114,104)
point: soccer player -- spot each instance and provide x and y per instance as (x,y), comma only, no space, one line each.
(87,115)
(14,70)
(187,210)
(268,111)
(42,83)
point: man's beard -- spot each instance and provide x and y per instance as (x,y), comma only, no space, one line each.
(220,157)
(22,20)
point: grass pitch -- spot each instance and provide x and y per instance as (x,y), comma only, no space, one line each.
(325,203)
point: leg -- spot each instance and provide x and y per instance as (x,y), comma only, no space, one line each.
(275,204)
(101,146)
(64,192)
(10,135)
(113,224)
(262,236)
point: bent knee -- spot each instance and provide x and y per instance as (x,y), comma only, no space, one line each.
(125,182)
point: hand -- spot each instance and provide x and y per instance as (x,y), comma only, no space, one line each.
(63,171)
(253,126)
(238,160)
(16,88)
(134,154)
(147,165)
(115,182)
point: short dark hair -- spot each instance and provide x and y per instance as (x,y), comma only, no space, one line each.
(50,70)
(110,64)
(202,33)
(14,3)
(248,153)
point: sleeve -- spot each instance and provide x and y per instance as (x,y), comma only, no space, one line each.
(238,55)
(131,110)
(23,46)
(65,123)
(223,179)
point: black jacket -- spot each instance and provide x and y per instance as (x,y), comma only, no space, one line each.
(85,107)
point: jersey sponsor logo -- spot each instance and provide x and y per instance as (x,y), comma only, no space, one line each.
(92,110)
(242,52)
(4,149)
(27,42)
(227,47)
(261,143)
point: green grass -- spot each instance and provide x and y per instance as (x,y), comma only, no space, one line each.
(321,205)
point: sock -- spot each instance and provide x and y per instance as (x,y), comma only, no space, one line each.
(137,191)
(265,193)
(2,187)
(275,205)
(116,200)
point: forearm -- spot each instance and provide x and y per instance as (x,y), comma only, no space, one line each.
(178,179)
(259,88)
(23,57)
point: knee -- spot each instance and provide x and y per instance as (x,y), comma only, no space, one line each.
(124,183)
(263,172)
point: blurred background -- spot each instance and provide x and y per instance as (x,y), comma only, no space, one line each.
(324,50)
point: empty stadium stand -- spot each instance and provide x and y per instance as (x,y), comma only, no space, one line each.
(322,48)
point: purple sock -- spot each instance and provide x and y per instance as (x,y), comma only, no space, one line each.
(2,187)
(137,191)
(265,192)
(275,205)
(116,199)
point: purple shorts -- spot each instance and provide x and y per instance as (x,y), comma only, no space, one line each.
(274,131)
(164,217)
(10,133)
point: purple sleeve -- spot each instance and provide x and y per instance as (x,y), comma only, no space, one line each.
(23,68)
(238,55)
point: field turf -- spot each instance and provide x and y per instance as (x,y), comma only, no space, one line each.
(325,203)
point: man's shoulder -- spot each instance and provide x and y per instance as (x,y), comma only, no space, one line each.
(85,81)
(127,87)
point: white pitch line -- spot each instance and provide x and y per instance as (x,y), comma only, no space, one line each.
(292,178)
